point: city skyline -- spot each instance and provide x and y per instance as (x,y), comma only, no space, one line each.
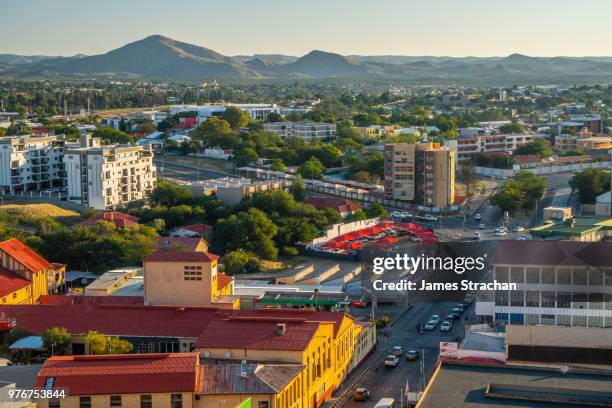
(389,27)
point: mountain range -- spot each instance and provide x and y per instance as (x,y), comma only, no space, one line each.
(159,57)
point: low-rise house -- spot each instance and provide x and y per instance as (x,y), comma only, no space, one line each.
(121,220)
(193,230)
(343,206)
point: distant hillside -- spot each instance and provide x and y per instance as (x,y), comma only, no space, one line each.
(158,57)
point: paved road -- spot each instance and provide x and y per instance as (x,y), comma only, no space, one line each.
(390,382)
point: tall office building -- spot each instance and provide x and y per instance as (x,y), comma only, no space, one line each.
(422,173)
(107,177)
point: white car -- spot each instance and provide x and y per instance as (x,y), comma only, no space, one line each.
(391,361)
(501,229)
(446,326)
(522,238)
(500,233)
(404,214)
(435,318)
(430,325)
(396,214)
(430,217)
(481,226)
(518,229)
(477,217)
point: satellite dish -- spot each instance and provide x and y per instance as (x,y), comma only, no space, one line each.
(207,354)
(564,369)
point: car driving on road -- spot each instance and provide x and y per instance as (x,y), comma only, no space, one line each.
(412,355)
(361,394)
(391,361)
(446,326)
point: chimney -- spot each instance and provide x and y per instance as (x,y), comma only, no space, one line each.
(281,329)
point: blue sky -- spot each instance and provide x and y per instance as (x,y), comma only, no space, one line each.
(374,27)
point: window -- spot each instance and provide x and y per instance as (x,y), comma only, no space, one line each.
(501,298)
(532,275)
(596,301)
(533,299)
(579,321)
(579,300)
(54,403)
(564,276)
(146,401)
(580,276)
(595,277)
(84,402)
(548,299)
(547,319)
(517,298)
(564,320)
(192,273)
(262,404)
(501,273)
(176,401)
(115,401)
(564,300)
(548,275)
(517,275)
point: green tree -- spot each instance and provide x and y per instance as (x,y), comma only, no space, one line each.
(215,132)
(237,118)
(590,183)
(246,156)
(376,210)
(356,216)
(240,261)
(511,128)
(250,230)
(274,117)
(56,339)
(311,168)
(115,345)
(277,165)
(298,189)
(170,194)
(146,127)
(540,148)
(508,199)
(112,135)
(96,342)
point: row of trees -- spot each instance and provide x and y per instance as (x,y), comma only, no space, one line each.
(523,191)
(57,340)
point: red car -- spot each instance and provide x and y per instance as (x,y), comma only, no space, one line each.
(358,303)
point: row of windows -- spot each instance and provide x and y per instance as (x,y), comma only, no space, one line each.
(559,320)
(550,275)
(146,401)
(568,300)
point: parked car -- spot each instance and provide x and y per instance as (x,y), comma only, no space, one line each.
(500,233)
(518,229)
(456,312)
(481,226)
(446,326)
(476,235)
(412,355)
(435,318)
(361,394)
(396,214)
(477,217)
(429,217)
(461,306)
(397,351)
(391,361)
(358,303)
(451,317)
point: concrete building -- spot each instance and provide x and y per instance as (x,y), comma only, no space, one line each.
(467,147)
(231,191)
(111,281)
(187,278)
(422,173)
(303,130)
(107,177)
(31,162)
(377,131)
(257,111)
(579,228)
(564,283)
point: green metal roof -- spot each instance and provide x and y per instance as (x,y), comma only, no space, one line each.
(578,226)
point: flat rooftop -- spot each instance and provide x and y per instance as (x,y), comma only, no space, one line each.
(472,385)
(573,227)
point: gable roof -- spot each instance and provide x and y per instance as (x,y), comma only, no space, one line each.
(122,374)
(180,256)
(223,280)
(259,378)
(24,255)
(230,333)
(198,228)
(120,219)
(11,282)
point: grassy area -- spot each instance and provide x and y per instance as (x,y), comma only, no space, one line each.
(34,211)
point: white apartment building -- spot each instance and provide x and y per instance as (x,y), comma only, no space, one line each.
(468,146)
(257,111)
(31,163)
(107,177)
(566,283)
(302,130)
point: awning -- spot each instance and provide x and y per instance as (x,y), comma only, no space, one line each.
(28,343)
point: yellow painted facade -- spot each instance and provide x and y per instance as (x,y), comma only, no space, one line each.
(326,363)
(22,296)
(127,400)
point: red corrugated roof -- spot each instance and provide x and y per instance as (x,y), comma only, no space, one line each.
(122,374)
(231,333)
(115,320)
(198,228)
(118,218)
(180,256)
(223,280)
(11,282)
(90,300)
(340,204)
(24,255)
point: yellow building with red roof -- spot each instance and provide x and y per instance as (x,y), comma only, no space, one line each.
(23,273)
